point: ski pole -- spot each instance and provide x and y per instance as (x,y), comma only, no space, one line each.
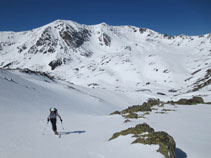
(62,125)
(45,128)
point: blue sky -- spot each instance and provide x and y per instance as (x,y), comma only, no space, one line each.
(190,17)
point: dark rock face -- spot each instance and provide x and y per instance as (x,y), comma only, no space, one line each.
(7,65)
(87,54)
(128,48)
(106,39)
(45,38)
(33,50)
(74,38)
(45,44)
(167,36)
(144,134)
(160,93)
(172,90)
(203,82)
(142,30)
(28,71)
(20,48)
(55,63)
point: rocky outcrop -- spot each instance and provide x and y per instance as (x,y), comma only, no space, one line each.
(144,134)
(116,113)
(55,63)
(106,39)
(74,38)
(146,106)
(45,74)
(45,44)
(203,82)
(193,101)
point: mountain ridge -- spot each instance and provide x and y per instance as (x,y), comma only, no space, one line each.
(110,57)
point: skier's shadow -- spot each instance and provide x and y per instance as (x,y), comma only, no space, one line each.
(72,132)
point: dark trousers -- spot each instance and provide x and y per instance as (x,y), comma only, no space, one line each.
(53,122)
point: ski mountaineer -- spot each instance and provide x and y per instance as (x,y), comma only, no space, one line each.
(52,117)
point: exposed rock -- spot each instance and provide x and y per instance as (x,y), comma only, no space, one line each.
(131,115)
(167,36)
(167,145)
(142,30)
(192,101)
(143,90)
(128,48)
(151,102)
(33,50)
(93,84)
(7,65)
(116,113)
(197,100)
(203,82)
(146,106)
(196,72)
(106,39)
(147,83)
(45,44)
(21,48)
(86,54)
(45,38)
(74,38)
(166,110)
(28,71)
(144,134)
(183,101)
(172,90)
(160,93)
(138,129)
(127,120)
(55,63)
(136,108)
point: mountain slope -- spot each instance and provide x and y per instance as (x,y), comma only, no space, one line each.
(26,99)
(24,107)
(88,72)
(103,56)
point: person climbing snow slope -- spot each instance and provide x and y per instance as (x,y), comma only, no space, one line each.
(53,118)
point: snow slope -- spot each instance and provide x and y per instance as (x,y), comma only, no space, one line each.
(26,99)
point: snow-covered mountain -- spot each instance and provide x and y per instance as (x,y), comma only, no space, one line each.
(87,72)
(119,58)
